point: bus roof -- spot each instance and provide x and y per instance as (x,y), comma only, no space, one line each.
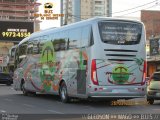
(77,24)
(88,21)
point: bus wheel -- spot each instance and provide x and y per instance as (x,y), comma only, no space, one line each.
(31,93)
(63,93)
(150,101)
(8,84)
(25,92)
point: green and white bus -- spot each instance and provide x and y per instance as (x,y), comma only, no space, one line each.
(94,58)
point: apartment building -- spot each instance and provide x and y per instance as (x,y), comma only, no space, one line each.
(15,12)
(19,10)
(76,10)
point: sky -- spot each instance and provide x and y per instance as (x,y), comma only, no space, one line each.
(130,8)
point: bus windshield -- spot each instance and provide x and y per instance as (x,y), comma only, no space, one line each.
(120,32)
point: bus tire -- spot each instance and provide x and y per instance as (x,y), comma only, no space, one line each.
(32,93)
(25,92)
(63,93)
(150,101)
(9,84)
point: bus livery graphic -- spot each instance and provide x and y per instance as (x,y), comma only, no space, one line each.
(95,58)
(120,74)
(47,72)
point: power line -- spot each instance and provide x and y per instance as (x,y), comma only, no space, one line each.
(155,1)
(135,7)
(120,15)
(79,17)
(138,10)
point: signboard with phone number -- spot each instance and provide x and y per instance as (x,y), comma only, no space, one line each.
(15,31)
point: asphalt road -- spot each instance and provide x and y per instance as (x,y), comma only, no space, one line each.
(14,102)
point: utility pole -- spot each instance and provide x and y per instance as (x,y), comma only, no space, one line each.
(66,13)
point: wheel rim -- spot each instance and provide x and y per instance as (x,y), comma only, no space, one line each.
(63,93)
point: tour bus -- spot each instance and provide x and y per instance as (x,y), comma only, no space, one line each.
(94,58)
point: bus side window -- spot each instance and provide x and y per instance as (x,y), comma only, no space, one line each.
(41,43)
(22,51)
(16,58)
(56,42)
(75,38)
(12,53)
(91,42)
(65,39)
(85,36)
(30,48)
(11,62)
(35,47)
(59,41)
(45,38)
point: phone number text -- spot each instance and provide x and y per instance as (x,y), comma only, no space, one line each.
(16,34)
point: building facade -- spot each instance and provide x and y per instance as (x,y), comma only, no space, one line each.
(77,10)
(151,20)
(17,11)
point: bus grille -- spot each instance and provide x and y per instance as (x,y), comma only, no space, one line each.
(120,50)
(121,54)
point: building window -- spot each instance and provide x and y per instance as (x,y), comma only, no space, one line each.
(98,2)
(99,8)
(98,14)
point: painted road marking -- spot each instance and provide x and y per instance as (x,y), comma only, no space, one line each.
(53,111)
(9,100)
(28,105)
(157,109)
(88,107)
(2,111)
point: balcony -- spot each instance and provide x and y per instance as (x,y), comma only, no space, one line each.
(19,3)
(15,14)
(14,8)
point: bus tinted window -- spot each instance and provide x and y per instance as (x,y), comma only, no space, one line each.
(74,38)
(30,48)
(22,51)
(58,41)
(85,36)
(120,33)
(33,46)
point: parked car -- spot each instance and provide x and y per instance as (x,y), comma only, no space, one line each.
(5,78)
(153,88)
(147,80)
